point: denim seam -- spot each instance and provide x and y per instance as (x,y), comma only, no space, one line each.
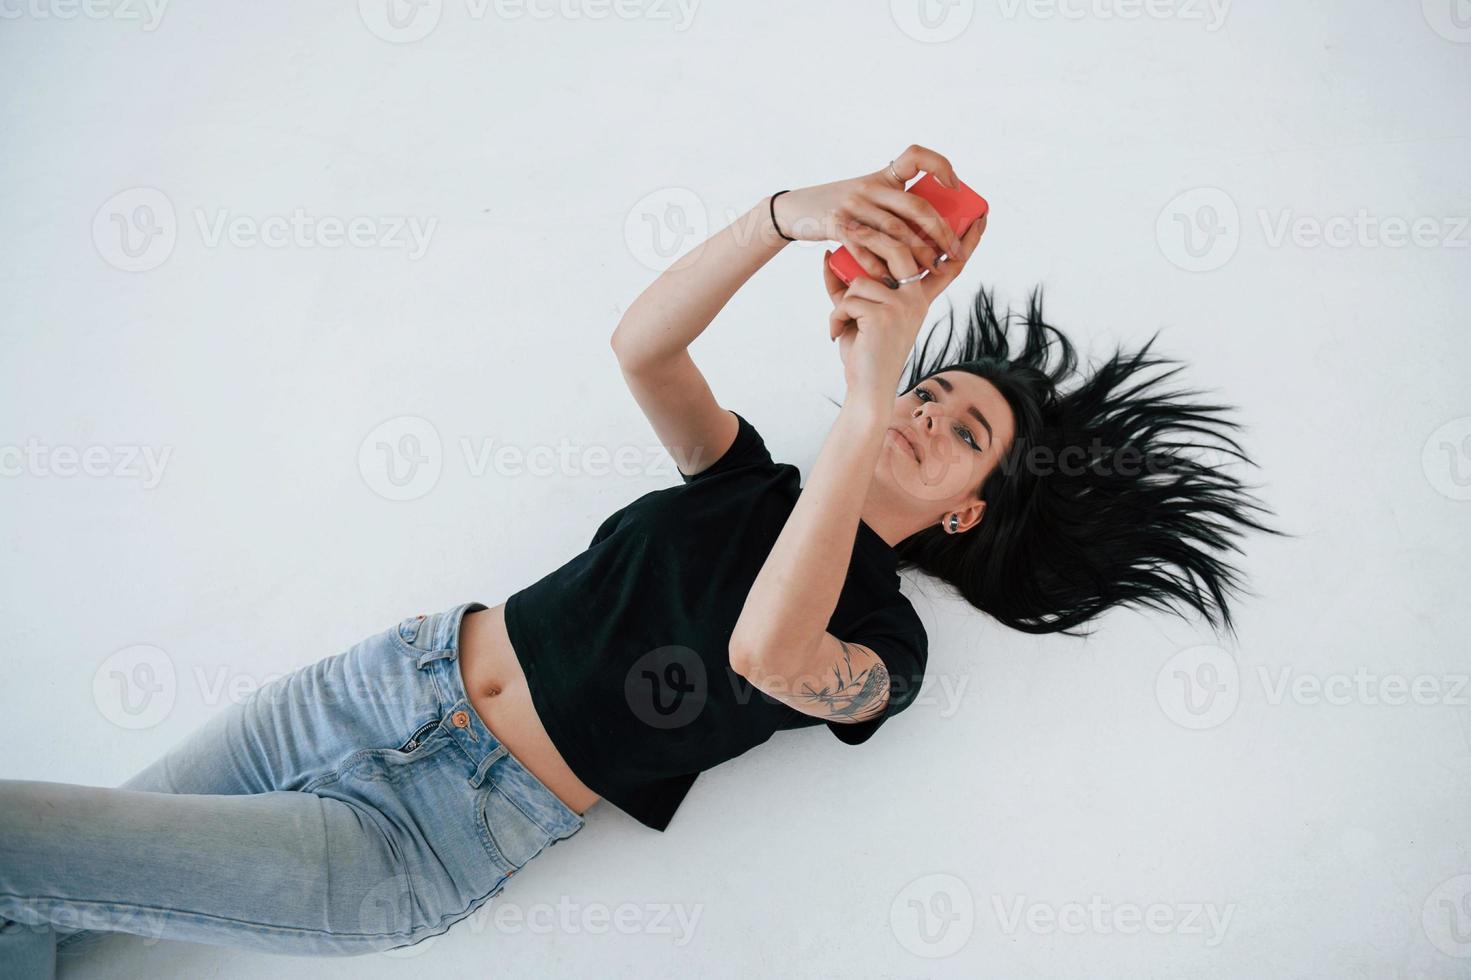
(205,916)
(451,918)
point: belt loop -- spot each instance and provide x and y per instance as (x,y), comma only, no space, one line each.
(491,758)
(429,656)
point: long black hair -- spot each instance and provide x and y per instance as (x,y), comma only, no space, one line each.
(1102,498)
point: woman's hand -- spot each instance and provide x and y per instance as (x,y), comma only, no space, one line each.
(876,325)
(872,213)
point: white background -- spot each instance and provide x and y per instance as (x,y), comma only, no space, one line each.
(1043,771)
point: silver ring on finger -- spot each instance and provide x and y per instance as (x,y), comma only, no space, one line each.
(895,173)
(914,278)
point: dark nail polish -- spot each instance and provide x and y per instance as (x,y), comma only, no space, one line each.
(891,282)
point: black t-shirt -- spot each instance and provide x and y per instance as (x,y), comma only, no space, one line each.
(626,646)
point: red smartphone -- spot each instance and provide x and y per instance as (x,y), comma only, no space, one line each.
(959,207)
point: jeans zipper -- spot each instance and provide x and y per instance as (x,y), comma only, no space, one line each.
(419,736)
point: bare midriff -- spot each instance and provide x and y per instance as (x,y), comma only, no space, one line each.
(498,692)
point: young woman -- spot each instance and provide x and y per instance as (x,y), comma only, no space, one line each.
(375,798)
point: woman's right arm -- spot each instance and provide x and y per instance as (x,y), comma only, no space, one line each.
(668,315)
(867,214)
(653,337)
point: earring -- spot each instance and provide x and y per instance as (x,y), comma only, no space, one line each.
(954,520)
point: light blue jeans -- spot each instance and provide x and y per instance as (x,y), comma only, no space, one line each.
(357,804)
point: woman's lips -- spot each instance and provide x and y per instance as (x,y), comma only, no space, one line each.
(907,441)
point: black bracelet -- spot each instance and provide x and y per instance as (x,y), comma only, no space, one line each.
(771,205)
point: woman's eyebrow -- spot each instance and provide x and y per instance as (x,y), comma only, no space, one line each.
(948,387)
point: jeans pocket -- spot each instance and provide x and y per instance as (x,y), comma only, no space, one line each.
(511,837)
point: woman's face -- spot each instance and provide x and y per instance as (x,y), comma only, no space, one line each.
(945,437)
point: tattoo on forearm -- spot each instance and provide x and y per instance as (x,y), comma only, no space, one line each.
(851,695)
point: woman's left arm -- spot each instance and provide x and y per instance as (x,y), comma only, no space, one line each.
(780,642)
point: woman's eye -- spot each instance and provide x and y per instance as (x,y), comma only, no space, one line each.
(960,430)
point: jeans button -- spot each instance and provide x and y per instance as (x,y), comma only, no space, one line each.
(461,719)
